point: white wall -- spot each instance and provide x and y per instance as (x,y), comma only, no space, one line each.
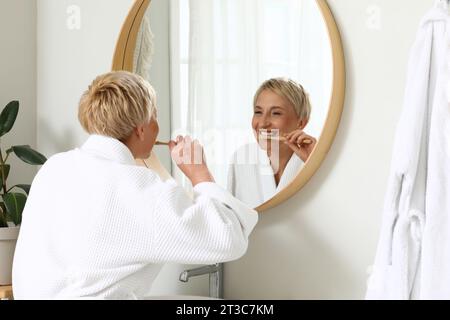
(68,59)
(18,79)
(319,244)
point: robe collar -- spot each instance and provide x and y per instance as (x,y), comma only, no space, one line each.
(108,148)
(266,175)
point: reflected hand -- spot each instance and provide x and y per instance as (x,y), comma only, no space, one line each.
(301,143)
(189,156)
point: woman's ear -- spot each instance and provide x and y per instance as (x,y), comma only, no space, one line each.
(139,131)
(301,124)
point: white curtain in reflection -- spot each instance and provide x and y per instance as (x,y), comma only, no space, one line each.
(222,50)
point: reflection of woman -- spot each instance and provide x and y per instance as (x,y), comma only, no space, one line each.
(281,112)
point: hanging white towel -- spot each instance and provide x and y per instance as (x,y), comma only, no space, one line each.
(396,273)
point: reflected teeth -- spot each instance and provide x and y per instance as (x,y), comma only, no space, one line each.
(268,134)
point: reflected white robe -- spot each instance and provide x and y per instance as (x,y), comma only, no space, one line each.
(96,225)
(251,178)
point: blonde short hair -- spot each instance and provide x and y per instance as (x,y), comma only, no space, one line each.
(289,90)
(116,103)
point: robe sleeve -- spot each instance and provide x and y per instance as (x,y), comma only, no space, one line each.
(212,227)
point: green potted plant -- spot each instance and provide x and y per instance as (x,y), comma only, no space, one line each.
(12,199)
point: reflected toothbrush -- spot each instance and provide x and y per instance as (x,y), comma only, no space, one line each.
(275,136)
(282,139)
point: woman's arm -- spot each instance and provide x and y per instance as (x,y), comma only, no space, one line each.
(213,227)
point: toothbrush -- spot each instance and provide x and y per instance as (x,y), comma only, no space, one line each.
(282,139)
(268,136)
(159,143)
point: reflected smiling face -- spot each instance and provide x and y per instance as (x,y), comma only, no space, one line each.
(273,113)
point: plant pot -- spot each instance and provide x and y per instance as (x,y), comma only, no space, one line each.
(8,239)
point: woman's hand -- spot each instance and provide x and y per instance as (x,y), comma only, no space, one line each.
(301,143)
(190,158)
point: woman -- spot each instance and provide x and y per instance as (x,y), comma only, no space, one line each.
(281,110)
(96,225)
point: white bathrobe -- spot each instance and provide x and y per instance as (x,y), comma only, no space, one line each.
(413,254)
(251,177)
(98,226)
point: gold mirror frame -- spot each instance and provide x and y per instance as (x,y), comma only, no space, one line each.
(123,60)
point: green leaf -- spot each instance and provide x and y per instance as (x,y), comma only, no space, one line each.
(28,155)
(24,187)
(8,117)
(6,168)
(15,202)
(3,221)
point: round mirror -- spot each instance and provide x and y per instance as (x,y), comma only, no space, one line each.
(260,83)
